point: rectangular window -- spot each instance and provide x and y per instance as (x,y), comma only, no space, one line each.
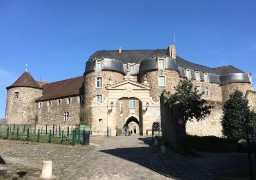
(16,95)
(132,71)
(206,77)
(68,100)
(40,105)
(99,98)
(99,65)
(188,74)
(99,82)
(160,64)
(66,116)
(197,74)
(132,103)
(58,101)
(162,81)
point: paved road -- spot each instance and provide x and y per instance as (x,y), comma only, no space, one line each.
(106,158)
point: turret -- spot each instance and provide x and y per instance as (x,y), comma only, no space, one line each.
(21,96)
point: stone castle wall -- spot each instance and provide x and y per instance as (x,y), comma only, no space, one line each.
(90,90)
(210,126)
(172,80)
(21,110)
(53,111)
(228,89)
(251,97)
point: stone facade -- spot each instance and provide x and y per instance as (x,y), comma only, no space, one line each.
(124,88)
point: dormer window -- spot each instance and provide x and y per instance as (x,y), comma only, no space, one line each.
(197,75)
(161,64)
(188,73)
(206,79)
(132,69)
(98,65)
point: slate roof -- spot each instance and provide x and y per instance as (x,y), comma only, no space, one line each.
(65,88)
(25,80)
(136,56)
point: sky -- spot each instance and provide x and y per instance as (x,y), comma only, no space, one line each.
(55,38)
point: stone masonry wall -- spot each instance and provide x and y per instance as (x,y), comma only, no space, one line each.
(53,111)
(210,126)
(21,110)
(251,97)
(228,89)
(172,80)
(91,91)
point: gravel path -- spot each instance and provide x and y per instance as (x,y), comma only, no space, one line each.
(106,158)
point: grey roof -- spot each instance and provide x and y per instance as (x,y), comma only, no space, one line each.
(137,56)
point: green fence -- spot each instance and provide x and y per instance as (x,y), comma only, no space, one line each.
(68,135)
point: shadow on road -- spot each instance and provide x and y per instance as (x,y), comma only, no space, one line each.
(2,161)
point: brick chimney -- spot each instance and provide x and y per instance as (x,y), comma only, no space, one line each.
(119,50)
(172,51)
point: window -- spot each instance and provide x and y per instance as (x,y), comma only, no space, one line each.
(99,98)
(206,77)
(66,116)
(99,65)
(99,82)
(197,75)
(160,64)
(206,91)
(132,103)
(49,104)
(59,101)
(16,95)
(40,105)
(162,81)
(68,100)
(188,74)
(131,68)
(198,89)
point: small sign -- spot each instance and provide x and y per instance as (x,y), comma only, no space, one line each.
(180,121)
(155,126)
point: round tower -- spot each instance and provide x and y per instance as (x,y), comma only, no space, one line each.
(160,71)
(21,96)
(99,73)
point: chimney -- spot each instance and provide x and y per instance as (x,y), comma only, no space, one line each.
(172,51)
(119,50)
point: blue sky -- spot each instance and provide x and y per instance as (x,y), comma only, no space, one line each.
(56,37)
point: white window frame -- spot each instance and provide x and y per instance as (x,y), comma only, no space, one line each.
(132,67)
(99,98)
(197,75)
(163,64)
(206,77)
(159,81)
(66,116)
(132,103)
(99,81)
(98,65)
(188,73)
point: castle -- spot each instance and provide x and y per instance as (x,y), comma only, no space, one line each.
(122,87)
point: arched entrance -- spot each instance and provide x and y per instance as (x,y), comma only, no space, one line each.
(133,125)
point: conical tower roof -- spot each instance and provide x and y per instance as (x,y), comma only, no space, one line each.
(25,80)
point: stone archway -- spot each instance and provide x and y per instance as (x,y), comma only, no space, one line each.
(134,125)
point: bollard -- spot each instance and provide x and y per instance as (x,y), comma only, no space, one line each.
(46,129)
(46,169)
